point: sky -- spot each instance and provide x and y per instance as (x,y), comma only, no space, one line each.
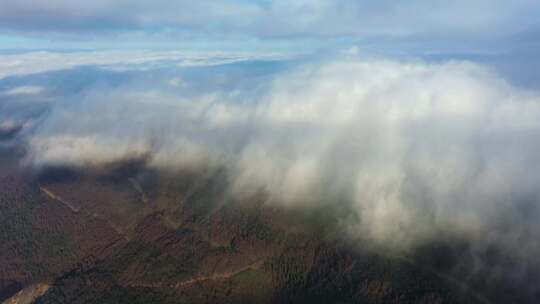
(504,34)
(274,24)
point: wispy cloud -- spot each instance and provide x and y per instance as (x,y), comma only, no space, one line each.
(23,90)
(42,61)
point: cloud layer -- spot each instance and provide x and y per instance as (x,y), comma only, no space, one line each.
(413,149)
(399,154)
(276,18)
(27,63)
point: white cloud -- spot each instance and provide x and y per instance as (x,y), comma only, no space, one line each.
(68,150)
(176,82)
(414,148)
(44,61)
(24,90)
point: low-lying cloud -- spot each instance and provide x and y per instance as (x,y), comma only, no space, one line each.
(414,149)
(27,63)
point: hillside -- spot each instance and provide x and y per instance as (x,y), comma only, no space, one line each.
(132,235)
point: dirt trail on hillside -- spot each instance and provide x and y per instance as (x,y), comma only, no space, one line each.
(59,199)
(220,276)
(137,187)
(76,209)
(211,277)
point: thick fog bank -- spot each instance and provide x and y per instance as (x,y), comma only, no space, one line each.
(414,149)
